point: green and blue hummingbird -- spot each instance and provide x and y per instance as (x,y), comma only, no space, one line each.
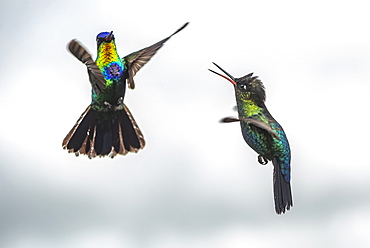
(107,127)
(263,134)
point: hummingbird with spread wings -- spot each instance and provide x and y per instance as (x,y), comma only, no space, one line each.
(107,127)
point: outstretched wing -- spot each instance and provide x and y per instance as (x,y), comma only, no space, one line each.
(97,79)
(254,122)
(136,60)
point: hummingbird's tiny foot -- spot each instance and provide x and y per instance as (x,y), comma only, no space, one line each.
(108,105)
(262,160)
(119,104)
(120,101)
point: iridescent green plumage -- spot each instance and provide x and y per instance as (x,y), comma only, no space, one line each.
(263,134)
(107,127)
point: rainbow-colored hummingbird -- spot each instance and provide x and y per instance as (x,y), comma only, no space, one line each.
(263,134)
(107,127)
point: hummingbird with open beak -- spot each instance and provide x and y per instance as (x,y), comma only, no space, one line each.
(263,134)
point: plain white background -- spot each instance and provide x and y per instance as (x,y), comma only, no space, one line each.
(196,183)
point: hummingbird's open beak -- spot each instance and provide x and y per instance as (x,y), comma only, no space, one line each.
(230,79)
(109,37)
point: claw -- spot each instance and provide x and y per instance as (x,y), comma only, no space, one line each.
(108,104)
(262,160)
(108,107)
(119,104)
(120,101)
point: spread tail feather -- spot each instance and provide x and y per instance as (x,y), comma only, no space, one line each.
(90,138)
(282,191)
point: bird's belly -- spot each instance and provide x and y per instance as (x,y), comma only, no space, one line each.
(258,140)
(264,144)
(112,95)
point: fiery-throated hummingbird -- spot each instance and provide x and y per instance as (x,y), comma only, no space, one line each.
(263,134)
(107,127)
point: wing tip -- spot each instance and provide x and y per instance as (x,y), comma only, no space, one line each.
(178,30)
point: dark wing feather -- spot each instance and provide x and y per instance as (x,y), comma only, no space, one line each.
(136,60)
(97,79)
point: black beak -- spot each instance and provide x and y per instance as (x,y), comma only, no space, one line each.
(109,37)
(231,78)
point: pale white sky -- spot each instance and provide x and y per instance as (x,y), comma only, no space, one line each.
(196,183)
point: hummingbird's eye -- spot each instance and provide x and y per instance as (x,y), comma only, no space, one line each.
(99,41)
(242,87)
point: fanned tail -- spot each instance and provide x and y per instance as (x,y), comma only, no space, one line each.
(282,191)
(92,139)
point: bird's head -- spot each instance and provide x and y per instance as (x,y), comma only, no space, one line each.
(247,87)
(104,37)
